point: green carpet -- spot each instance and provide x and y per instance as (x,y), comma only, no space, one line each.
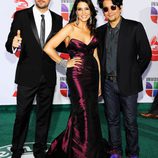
(148,128)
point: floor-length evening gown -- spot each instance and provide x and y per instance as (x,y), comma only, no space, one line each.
(82,137)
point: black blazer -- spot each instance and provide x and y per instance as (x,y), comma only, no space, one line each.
(33,62)
(133,55)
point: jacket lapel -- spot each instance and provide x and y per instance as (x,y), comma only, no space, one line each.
(104,44)
(33,25)
(121,37)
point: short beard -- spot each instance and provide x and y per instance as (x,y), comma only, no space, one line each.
(42,7)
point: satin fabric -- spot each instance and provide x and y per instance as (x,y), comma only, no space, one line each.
(82,137)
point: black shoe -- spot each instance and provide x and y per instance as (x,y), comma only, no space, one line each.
(149,115)
(40,155)
(16,155)
(115,153)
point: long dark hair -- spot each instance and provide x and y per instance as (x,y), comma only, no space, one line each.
(91,24)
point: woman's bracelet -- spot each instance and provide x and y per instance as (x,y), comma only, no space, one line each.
(63,63)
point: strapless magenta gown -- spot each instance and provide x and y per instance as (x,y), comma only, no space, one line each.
(82,137)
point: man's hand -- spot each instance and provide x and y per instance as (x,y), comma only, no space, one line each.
(17,40)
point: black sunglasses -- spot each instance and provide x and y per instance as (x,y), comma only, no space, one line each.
(113,7)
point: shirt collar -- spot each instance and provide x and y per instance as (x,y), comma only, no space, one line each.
(37,12)
(117,26)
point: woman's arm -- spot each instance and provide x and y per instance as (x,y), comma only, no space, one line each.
(49,48)
(97,59)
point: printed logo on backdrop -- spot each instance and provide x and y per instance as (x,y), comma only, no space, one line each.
(66,6)
(20,4)
(15,94)
(151,86)
(64,90)
(154,12)
(17,53)
(6,153)
(154,47)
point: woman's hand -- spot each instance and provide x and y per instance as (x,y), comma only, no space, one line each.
(74,62)
(99,91)
(99,87)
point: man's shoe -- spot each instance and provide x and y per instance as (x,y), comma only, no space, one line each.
(115,153)
(40,155)
(149,115)
(16,155)
(115,156)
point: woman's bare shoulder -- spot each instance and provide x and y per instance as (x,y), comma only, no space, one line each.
(70,26)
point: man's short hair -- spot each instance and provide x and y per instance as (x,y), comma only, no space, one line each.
(115,2)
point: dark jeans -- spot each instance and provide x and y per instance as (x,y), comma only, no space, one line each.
(114,104)
(25,97)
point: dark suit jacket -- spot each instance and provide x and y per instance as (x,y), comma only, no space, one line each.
(133,55)
(33,62)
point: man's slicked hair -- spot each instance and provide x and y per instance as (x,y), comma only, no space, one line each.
(115,2)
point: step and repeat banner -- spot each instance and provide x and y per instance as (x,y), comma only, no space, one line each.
(145,11)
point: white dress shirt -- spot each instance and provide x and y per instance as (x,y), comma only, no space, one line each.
(48,23)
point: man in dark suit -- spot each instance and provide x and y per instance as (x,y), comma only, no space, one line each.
(125,54)
(35,74)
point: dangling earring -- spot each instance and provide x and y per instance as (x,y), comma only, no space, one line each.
(77,22)
(90,20)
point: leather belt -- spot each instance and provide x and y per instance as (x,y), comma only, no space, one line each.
(111,78)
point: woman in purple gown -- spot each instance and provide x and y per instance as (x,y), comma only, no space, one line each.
(82,137)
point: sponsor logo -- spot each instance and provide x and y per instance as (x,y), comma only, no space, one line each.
(63,84)
(66,6)
(6,153)
(20,4)
(64,56)
(15,94)
(64,87)
(151,86)
(154,12)
(17,53)
(154,47)
(28,151)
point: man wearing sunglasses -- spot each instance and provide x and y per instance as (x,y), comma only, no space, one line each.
(125,54)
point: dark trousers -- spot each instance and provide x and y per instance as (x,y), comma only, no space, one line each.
(154,107)
(25,98)
(114,104)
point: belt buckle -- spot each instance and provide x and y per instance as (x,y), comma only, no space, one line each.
(112,78)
